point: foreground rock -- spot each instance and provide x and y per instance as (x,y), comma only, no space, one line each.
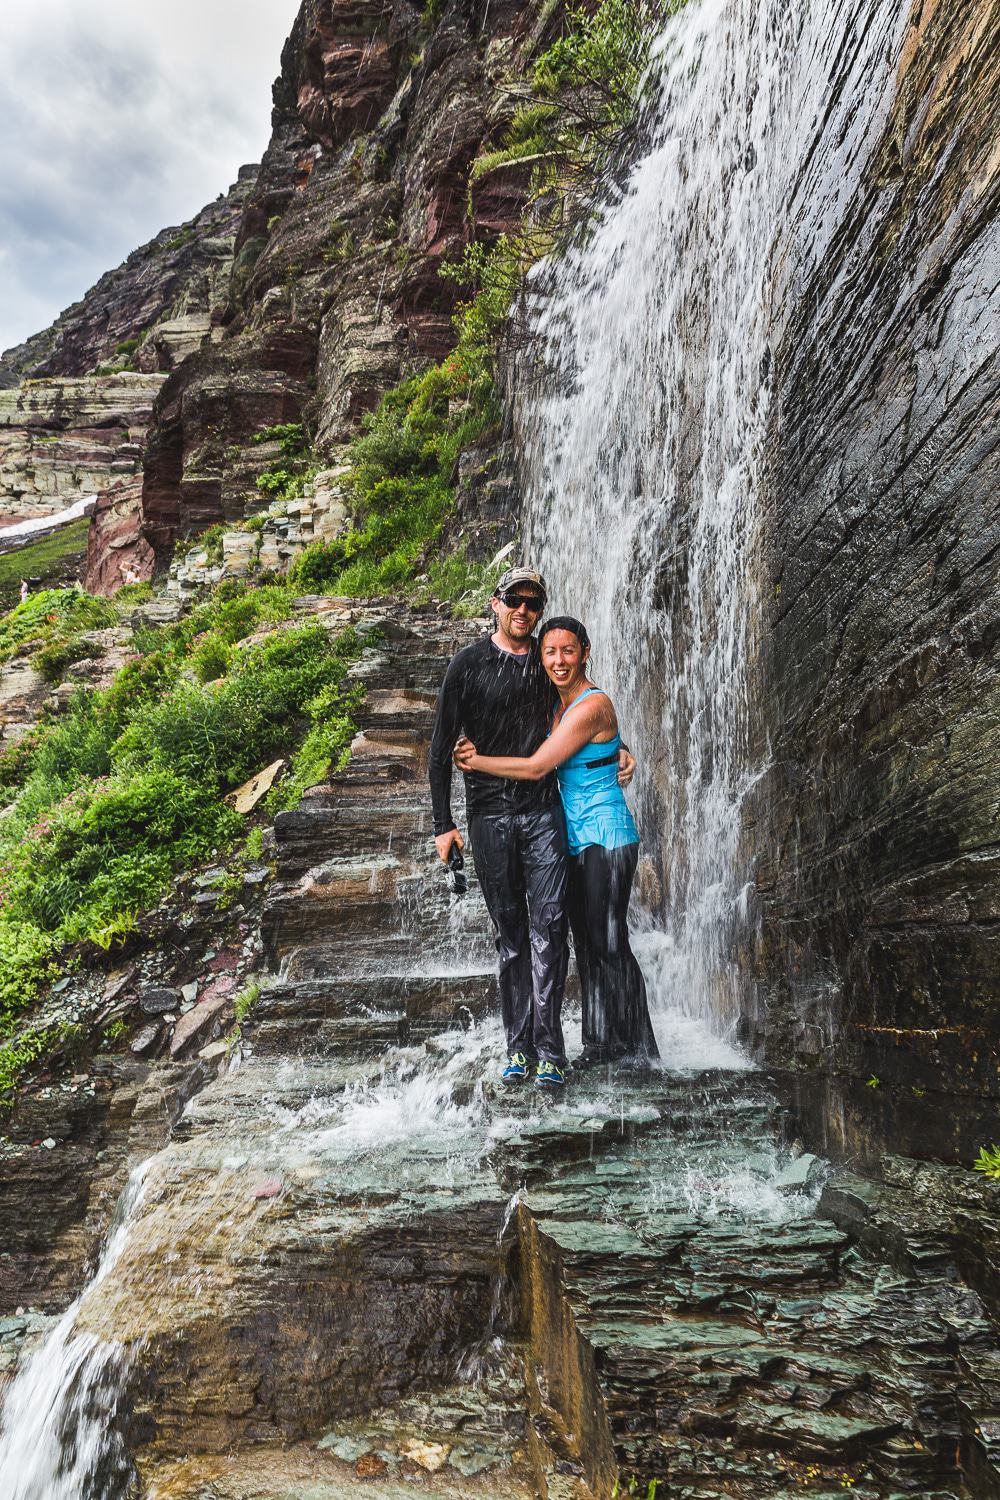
(359,1260)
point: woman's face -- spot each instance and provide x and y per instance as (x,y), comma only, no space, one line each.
(563,657)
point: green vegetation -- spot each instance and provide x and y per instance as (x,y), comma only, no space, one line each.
(52,617)
(51,559)
(588,90)
(287,479)
(126,788)
(988,1162)
(17,1055)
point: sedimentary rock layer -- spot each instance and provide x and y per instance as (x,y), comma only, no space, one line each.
(61,439)
(162,301)
(874,832)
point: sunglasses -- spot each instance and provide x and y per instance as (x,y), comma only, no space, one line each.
(534,602)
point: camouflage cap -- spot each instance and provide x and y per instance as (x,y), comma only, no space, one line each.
(521,575)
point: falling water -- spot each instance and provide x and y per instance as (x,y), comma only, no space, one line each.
(643,425)
(59,1439)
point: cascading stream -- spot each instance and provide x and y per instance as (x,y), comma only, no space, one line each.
(644,424)
(58,1436)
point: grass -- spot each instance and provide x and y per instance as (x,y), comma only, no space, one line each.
(51,617)
(60,556)
(125,789)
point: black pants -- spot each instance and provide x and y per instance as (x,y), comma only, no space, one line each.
(520,860)
(615,1013)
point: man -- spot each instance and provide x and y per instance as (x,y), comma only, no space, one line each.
(496,692)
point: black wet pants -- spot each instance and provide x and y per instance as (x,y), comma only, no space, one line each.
(520,860)
(615,1013)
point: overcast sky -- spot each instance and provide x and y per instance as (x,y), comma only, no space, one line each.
(118,118)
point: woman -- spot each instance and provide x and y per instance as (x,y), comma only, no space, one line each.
(582,749)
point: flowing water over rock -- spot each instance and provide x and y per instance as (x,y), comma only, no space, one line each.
(645,425)
(360,1259)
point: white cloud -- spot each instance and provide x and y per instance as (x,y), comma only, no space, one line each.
(119,119)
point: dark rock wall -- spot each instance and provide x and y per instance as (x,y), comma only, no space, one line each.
(363,191)
(875,833)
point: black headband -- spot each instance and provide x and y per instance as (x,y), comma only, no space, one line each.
(566,622)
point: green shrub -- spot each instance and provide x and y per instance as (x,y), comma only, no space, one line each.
(53,615)
(318,566)
(988,1162)
(19,1054)
(51,661)
(291,436)
(246,1000)
(25,962)
(600,64)
(109,850)
(210,658)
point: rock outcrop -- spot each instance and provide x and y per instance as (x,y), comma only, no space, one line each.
(357,1258)
(874,832)
(61,439)
(362,194)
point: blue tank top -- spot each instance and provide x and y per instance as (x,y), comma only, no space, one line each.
(594,803)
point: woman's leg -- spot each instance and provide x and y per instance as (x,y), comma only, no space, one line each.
(592,1030)
(617,988)
(635,1030)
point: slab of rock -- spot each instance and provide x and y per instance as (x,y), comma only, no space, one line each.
(246,797)
(197,1024)
(156,1002)
(799,1175)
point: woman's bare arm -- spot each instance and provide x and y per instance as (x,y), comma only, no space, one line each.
(574,731)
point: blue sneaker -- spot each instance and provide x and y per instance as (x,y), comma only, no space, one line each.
(549,1075)
(517,1067)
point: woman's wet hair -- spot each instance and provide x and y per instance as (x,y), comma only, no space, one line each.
(565,622)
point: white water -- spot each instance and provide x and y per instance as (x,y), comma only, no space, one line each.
(643,427)
(58,1440)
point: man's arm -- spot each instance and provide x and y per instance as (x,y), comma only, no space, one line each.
(447,727)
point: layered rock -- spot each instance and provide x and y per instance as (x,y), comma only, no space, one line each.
(362,193)
(61,439)
(357,1259)
(162,301)
(117,552)
(874,830)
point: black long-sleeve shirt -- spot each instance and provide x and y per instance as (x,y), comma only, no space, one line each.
(504,703)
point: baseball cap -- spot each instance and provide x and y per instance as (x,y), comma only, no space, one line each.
(514,576)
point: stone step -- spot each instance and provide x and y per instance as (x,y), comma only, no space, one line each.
(328,1017)
(324,828)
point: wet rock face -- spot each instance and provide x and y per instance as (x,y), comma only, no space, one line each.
(874,832)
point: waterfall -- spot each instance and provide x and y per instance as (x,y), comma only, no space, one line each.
(59,1435)
(643,422)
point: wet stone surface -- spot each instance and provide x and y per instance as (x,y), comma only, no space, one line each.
(362,1264)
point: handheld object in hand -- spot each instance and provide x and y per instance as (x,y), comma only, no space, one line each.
(456,865)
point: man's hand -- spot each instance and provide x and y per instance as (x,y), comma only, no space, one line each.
(444,841)
(465,753)
(626,766)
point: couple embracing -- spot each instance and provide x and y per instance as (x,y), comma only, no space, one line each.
(554,844)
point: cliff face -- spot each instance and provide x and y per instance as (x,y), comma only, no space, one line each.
(362,193)
(61,439)
(875,830)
